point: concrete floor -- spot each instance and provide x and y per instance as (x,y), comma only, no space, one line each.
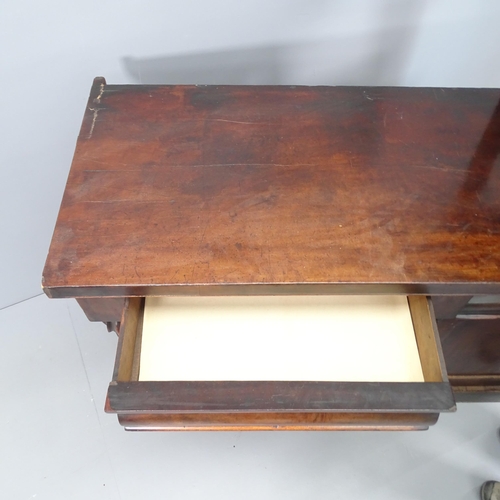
(56,442)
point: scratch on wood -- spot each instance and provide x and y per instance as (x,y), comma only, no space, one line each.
(126,201)
(98,98)
(195,264)
(94,119)
(235,121)
(443,169)
(203,235)
(93,160)
(249,165)
(86,158)
(96,110)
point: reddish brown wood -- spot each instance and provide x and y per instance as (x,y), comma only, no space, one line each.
(471,346)
(185,189)
(471,349)
(269,190)
(279,421)
(103,309)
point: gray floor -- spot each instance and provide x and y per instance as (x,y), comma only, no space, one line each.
(56,442)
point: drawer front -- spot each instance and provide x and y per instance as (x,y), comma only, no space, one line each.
(469,327)
(218,404)
(472,352)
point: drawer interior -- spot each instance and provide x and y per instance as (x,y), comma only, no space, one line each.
(314,359)
(323,338)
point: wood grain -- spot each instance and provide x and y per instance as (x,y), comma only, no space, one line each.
(126,368)
(426,334)
(107,309)
(471,350)
(272,396)
(471,347)
(207,190)
(279,421)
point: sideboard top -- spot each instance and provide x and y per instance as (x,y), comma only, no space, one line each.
(198,189)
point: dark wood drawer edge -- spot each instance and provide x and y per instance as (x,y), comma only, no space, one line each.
(320,288)
(186,397)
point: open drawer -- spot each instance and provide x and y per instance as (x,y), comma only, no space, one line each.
(279,363)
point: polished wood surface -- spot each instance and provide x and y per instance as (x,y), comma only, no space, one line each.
(471,346)
(103,309)
(274,190)
(228,190)
(109,310)
(278,421)
(472,352)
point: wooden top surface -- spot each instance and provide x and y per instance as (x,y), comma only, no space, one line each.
(194,189)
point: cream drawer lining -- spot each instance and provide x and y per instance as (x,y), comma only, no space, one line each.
(285,338)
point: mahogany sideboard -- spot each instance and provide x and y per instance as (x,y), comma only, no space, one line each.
(288,190)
